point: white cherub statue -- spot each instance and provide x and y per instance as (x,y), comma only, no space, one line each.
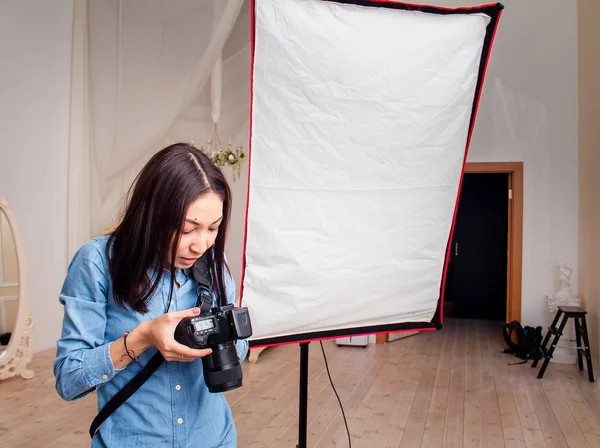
(563,296)
(564,277)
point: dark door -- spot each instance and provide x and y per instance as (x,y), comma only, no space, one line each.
(476,284)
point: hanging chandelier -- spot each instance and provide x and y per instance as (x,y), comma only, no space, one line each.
(224,155)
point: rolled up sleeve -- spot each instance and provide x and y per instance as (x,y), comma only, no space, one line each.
(83,358)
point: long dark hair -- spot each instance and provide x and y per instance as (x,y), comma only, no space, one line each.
(153,221)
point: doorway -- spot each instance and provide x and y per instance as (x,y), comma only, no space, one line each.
(515,229)
(477,275)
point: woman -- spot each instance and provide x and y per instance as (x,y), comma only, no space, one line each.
(125,293)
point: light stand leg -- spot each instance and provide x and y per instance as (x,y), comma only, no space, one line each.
(303,397)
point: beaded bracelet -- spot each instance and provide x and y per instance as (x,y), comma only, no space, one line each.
(128,352)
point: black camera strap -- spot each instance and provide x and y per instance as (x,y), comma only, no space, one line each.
(120,397)
(201,273)
(204,302)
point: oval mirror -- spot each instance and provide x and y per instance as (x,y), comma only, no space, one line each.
(15,316)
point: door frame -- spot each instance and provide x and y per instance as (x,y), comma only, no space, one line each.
(515,233)
(515,229)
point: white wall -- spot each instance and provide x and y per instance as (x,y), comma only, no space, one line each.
(529,113)
(35,50)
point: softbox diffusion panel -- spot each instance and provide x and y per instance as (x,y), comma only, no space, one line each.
(361,114)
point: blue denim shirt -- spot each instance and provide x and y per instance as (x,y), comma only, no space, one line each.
(174,407)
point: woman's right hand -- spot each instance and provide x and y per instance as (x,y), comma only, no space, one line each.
(160,332)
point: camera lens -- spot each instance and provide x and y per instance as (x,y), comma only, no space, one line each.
(222,369)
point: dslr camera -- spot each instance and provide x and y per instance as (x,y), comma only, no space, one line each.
(216,328)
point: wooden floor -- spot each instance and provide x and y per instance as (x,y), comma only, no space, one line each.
(451,388)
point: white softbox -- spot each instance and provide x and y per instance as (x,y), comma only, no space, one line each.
(361,115)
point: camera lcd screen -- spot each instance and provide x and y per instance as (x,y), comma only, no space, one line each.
(205,324)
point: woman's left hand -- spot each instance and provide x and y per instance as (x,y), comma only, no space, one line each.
(161,333)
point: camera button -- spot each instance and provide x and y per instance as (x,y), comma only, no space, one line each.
(180,420)
(178,387)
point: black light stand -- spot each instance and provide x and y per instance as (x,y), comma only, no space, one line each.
(303,397)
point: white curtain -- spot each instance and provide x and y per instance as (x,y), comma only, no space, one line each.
(227,102)
(139,67)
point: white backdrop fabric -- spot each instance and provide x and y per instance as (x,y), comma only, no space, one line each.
(139,67)
(359,126)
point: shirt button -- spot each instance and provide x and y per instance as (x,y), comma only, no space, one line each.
(178,387)
(180,421)
(104,377)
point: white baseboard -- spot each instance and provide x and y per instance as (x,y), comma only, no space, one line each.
(360,341)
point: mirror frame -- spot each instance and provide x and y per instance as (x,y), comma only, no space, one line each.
(19,351)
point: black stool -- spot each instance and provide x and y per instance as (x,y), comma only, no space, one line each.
(581,334)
